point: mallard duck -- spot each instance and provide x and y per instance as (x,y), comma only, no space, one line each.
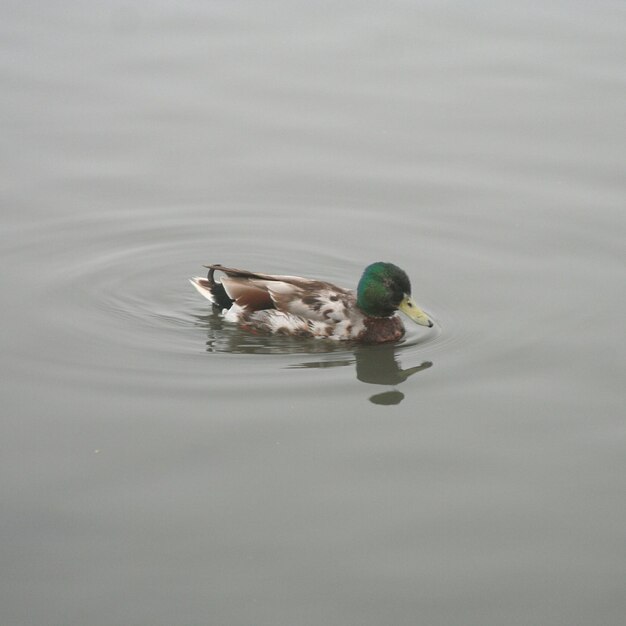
(291,305)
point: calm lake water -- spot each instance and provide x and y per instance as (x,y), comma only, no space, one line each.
(159,467)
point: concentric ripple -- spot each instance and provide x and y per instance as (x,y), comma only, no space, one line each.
(113,299)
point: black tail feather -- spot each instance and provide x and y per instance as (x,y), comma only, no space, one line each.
(220,297)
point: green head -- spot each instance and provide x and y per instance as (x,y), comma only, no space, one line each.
(383,289)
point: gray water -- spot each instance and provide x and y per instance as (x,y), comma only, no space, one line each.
(160,467)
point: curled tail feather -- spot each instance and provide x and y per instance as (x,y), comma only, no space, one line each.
(212,290)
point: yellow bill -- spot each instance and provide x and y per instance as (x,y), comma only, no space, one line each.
(410,309)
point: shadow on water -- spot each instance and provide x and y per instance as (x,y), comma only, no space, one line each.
(375,365)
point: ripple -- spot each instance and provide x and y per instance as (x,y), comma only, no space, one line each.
(118,303)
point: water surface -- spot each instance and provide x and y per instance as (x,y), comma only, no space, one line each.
(160,467)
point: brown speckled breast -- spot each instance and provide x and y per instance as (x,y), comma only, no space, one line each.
(382,329)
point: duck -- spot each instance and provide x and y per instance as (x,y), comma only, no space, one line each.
(304,307)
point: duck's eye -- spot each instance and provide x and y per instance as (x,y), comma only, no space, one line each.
(409,304)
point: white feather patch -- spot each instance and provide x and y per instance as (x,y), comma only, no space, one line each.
(235,314)
(195,281)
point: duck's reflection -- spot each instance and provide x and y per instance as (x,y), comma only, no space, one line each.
(375,365)
(378,365)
